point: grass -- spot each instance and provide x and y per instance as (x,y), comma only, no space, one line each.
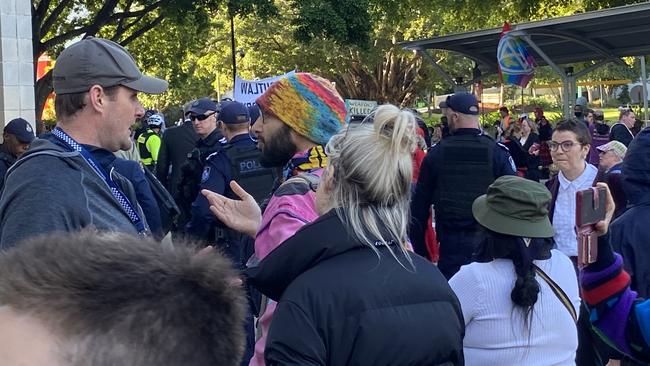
(611,114)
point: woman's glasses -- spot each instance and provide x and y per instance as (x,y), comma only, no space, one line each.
(566,145)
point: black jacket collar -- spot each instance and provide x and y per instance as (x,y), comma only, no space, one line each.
(312,244)
(467,131)
(212,139)
(242,139)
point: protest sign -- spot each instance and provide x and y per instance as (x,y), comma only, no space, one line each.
(355,106)
(246,91)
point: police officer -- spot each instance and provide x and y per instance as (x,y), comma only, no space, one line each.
(238,161)
(16,137)
(149,142)
(453,174)
(203,113)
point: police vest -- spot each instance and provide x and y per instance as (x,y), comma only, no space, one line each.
(248,172)
(145,154)
(258,181)
(465,170)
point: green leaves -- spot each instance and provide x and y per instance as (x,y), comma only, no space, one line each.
(344,21)
(187,42)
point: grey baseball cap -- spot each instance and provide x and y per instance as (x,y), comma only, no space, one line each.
(98,61)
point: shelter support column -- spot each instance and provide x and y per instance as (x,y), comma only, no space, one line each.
(644,89)
(566,86)
(442,72)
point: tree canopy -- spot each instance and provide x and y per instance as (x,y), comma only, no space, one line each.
(353,42)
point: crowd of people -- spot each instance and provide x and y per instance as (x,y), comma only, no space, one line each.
(284,234)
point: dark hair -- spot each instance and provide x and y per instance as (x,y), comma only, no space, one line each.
(579,128)
(66,105)
(160,305)
(599,116)
(504,109)
(525,292)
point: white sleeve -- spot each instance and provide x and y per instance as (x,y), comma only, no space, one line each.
(469,290)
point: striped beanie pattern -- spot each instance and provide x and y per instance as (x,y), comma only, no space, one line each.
(307,103)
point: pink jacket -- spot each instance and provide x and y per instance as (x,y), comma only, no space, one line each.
(289,209)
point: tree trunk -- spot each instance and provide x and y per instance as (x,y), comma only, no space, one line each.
(501,95)
(42,90)
(608,90)
(600,95)
(392,80)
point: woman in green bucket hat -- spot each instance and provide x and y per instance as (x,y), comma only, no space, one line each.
(520,297)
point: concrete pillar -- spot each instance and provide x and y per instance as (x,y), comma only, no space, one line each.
(16,61)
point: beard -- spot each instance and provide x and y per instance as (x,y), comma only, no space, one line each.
(278,148)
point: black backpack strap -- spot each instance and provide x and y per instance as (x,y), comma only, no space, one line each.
(298,184)
(557,290)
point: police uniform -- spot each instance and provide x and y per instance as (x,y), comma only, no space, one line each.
(455,172)
(148,147)
(216,177)
(238,161)
(24,133)
(149,142)
(192,167)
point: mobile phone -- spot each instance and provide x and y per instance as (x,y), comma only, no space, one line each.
(590,209)
(590,206)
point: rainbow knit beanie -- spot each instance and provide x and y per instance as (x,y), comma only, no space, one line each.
(307,103)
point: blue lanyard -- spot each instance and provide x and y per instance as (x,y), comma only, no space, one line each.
(115,190)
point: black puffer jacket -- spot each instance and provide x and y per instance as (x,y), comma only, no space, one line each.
(340,303)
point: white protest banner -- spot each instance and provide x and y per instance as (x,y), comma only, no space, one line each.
(355,106)
(246,91)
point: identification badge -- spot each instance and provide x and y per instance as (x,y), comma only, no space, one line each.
(206,174)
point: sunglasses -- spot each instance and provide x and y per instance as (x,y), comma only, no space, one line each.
(201,117)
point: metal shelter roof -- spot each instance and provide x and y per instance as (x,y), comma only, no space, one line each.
(603,35)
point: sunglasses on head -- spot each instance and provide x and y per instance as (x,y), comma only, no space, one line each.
(201,117)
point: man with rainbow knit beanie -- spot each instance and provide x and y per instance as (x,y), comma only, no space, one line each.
(299,114)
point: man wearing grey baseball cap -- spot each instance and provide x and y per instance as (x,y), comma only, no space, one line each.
(66,180)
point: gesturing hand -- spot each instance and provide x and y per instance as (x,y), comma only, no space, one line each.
(242,215)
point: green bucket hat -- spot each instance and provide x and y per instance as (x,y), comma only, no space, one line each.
(515,206)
